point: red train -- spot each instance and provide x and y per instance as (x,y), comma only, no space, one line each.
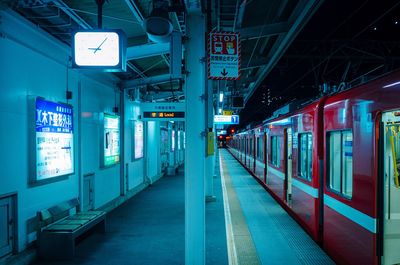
(334,166)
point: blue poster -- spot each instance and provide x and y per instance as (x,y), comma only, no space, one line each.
(53,117)
(54,139)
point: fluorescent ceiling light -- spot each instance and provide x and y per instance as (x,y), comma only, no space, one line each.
(393,84)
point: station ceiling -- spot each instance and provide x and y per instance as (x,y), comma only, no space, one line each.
(289,47)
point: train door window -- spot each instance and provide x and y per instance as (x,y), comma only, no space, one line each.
(251,147)
(340,159)
(275,156)
(259,151)
(305,156)
(391,188)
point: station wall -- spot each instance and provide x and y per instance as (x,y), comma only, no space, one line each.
(35,64)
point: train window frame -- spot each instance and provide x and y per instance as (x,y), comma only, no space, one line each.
(251,146)
(275,155)
(259,148)
(308,176)
(344,152)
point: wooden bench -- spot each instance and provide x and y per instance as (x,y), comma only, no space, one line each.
(60,225)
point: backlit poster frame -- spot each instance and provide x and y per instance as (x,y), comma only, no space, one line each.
(172,140)
(179,139)
(138,131)
(51,141)
(164,140)
(110,140)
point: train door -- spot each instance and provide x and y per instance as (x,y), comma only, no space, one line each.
(288,165)
(256,139)
(265,159)
(246,151)
(391,188)
(6,225)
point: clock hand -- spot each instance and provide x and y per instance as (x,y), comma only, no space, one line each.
(98,48)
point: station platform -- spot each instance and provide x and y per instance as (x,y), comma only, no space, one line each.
(149,228)
(263,232)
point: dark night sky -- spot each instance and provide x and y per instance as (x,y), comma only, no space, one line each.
(342,41)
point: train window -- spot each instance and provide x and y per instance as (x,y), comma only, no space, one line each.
(305,156)
(259,148)
(340,157)
(275,157)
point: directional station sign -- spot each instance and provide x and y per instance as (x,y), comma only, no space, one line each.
(223,56)
(171,111)
(226,119)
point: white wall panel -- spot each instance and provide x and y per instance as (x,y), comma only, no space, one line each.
(27,73)
(153,149)
(34,64)
(98,98)
(135,167)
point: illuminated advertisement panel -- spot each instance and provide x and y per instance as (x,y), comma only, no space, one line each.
(179,140)
(173,141)
(111,140)
(164,141)
(53,139)
(138,139)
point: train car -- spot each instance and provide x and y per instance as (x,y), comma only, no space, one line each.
(276,164)
(334,164)
(293,172)
(361,214)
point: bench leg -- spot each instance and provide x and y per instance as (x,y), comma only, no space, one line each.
(101,227)
(56,246)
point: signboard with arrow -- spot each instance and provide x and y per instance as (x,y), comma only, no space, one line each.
(223,56)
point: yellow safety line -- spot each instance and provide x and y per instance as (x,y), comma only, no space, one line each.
(232,256)
(241,249)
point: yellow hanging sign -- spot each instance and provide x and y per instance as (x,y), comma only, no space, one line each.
(227,112)
(210,143)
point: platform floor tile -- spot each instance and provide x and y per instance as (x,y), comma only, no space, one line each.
(276,236)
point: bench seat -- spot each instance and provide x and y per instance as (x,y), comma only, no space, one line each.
(60,228)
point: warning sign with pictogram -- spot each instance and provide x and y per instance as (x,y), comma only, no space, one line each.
(223,56)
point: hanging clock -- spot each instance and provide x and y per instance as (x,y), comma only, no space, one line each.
(99,49)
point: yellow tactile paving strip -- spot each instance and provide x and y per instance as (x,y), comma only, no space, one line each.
(240,243)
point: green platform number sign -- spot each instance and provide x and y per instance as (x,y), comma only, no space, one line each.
(111,140)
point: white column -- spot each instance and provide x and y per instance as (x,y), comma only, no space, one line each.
(195,142)
(209,166)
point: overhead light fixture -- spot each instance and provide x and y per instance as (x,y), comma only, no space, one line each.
(219,111)
(392,84)
(157,25)
(221,97)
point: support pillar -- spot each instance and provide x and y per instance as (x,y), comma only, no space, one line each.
(195,142)
(209,166)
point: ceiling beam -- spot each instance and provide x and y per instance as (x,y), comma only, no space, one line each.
(135,10)
(72,14)
(299,18)
(158,79)
(240,15)
(249,64)
(264,31)
(147,50)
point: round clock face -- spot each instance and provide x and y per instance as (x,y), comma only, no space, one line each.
(97,49)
